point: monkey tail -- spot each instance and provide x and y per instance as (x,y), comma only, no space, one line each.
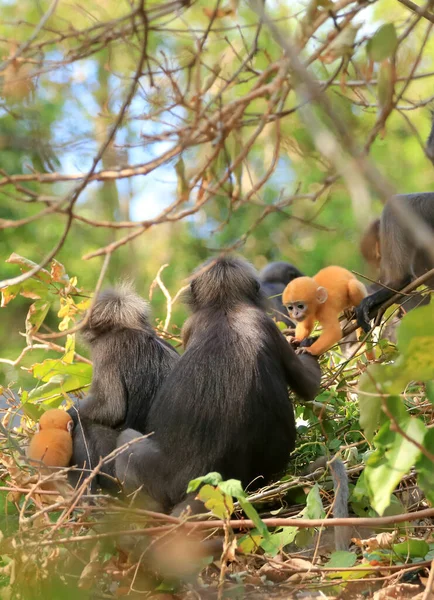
(117,308)
(340,506)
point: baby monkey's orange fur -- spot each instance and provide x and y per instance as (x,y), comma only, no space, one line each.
(52,444)
(322,298)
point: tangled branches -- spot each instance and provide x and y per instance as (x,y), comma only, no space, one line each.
(205,96)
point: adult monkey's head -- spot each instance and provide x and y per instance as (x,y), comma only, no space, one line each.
(225,282)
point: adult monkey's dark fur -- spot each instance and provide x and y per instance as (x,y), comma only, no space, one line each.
(389,244)
(274,278)
(225,405)
(129,365)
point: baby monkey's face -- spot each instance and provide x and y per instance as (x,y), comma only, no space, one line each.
(300,298)
(297,310)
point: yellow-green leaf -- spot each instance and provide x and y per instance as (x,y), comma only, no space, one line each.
(218,503)
(383,43)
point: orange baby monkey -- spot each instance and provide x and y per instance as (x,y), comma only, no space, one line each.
(322,298)
(52,443)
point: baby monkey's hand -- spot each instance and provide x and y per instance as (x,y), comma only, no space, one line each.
(303,346)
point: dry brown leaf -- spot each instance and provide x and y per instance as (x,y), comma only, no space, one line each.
(219,13)
(382,540)
(17,81)
(274,572)
(342,45)
(252,580)
(295,564)
(230,552)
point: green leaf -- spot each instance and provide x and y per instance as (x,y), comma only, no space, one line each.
(416,343)
(182,188)
(252,514)
(33,411)
(425,467)
(232,487)
(371,414)
(250,542)
(211,478)
(429,388)
(304,538)
(341,559)
(51,367)
(383,43)
(415,363)
(393,459)
(411,548)
(334,444)
(36,316)
(278,540)
(6,507)
(9,293)
(342,45)
(31,288)
(218,503)
(68,357)
(314,508)
(60,378)
(386,84)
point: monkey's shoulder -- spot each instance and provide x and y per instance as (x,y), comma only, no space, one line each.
(222,329)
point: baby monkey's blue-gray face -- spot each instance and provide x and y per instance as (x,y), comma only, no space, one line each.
(297,311)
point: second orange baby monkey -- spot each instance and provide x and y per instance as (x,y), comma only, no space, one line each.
(52,443)
(322,298)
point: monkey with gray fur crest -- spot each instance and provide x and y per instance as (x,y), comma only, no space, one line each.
(274,278)
(130,362)
(390,244)
(225,405)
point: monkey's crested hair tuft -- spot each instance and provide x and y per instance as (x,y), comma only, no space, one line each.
(55,418)
(117,308)
(225,281)
(279,272)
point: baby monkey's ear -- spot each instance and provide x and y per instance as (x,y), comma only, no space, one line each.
(321,294)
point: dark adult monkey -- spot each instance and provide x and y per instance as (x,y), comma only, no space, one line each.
(387,243)
(274,278)
(225,405)
(129,365)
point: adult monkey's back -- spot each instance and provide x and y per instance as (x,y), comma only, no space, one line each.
(225,406)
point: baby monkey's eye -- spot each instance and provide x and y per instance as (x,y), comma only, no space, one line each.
(300,306)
